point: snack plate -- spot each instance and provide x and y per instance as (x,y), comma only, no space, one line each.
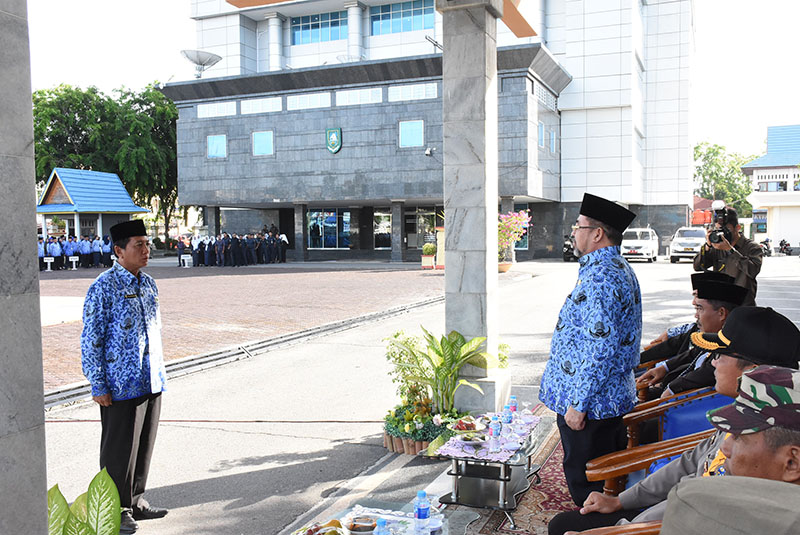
(478,439)
(478,427)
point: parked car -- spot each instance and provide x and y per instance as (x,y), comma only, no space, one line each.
(686,243)
(640,243)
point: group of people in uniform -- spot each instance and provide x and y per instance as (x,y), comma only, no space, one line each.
(93,251)
(268,247)
(744,351)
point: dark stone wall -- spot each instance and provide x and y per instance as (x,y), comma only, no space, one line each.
(664,219)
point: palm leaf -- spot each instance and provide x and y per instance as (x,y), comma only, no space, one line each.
(464,382)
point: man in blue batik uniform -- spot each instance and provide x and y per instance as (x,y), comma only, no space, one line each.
(123,360)
(588,380)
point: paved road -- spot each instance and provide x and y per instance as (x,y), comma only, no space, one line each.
(229,467)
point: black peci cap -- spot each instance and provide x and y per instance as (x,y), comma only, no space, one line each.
(608,212)
(127,229)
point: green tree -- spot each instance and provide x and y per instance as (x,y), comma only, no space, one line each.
(718,175)
(71,128)
(147,149)
(132,135)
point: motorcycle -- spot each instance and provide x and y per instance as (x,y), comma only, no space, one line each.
(765,246)
(568,250)
(784,248)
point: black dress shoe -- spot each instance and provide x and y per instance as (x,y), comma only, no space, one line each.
(146,513)
(127,524)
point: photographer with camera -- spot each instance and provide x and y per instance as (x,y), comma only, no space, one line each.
(727,251)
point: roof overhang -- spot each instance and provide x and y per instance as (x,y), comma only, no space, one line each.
(534,58)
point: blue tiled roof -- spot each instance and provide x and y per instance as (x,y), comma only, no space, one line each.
(783,148)
(90,191)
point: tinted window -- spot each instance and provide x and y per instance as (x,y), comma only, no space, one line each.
(630,235)
(691,233)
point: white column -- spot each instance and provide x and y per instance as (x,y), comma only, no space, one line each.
(355,37)
(275,38)
(66,227)
(77,225)
(100,225)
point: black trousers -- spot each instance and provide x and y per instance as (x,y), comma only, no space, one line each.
(126,445)
(597,438)
(575,521)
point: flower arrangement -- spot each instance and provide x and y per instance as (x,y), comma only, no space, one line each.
(510,228)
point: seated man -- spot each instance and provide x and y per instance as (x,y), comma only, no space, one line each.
(714,300)
(751,336)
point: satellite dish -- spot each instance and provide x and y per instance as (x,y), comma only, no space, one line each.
(202,60)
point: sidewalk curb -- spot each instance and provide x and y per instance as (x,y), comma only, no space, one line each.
(80,391)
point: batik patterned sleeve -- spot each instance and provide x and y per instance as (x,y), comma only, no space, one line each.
(679,330)
(93,341)
(599,343)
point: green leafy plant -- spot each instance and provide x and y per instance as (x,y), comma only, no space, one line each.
(95,512)
(429,249)
(510,228)
(437,366)
(407,388)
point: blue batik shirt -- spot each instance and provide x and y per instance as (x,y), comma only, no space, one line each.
(595,346)
(121,350)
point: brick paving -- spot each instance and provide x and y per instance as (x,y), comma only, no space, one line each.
(204,309)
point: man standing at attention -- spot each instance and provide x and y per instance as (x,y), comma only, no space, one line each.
(122,358)
(588,381)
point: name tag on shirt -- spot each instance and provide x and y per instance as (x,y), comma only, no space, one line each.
(131,296)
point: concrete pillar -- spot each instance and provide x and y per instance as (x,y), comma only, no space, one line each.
(469,101)
(355,36)
(300,233)
(275,39)
(66,227)
(100,224)
(23,489)
(398,234)
(212,220)
(77,225)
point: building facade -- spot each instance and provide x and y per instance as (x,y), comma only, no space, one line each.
(325,119)
(776,187)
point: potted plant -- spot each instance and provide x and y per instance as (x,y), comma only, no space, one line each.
(95,512)
(429,256)
(510,228)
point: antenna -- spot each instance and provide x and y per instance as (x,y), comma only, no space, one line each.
(202,60)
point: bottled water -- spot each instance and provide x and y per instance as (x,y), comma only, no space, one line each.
(512,404)
(507,415)
(380,527)
(494,432)
(422,513)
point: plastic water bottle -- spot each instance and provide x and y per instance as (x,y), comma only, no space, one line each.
(508,416)
(422,512)
(380,527)
(512,404)
(494,431)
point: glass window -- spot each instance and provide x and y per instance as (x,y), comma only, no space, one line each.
(522,243)
(691,233)
(401,17)
(412,133)
(328,229)
(552,140)
(263,143)
(319,28)
(541,134)
(217,146)
(412,92)
(217,109)
(382,228)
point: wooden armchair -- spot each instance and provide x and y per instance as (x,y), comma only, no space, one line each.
(614,468)
(639,528)
(657,408)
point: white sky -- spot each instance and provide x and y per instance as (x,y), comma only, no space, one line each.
(745,72)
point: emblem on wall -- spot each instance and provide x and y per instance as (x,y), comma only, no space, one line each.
(333,139)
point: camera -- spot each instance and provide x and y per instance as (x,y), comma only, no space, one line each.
(721,218)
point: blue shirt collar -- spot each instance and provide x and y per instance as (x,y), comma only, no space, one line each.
(605,252)
(126,276)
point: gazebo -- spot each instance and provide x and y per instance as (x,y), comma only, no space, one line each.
(95,201)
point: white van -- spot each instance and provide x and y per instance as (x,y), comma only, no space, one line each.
(640,243)
(686,243)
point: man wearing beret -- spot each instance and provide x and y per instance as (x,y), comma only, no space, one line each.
(588,381)
(751,337)
(123,360)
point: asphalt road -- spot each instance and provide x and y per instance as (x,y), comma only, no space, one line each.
(248,447)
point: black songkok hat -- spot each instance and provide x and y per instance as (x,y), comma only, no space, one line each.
(721,291)
(608,212)
(715,276)
(127,229)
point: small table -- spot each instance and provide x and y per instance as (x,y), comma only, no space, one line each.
(496,485)
(400,516)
